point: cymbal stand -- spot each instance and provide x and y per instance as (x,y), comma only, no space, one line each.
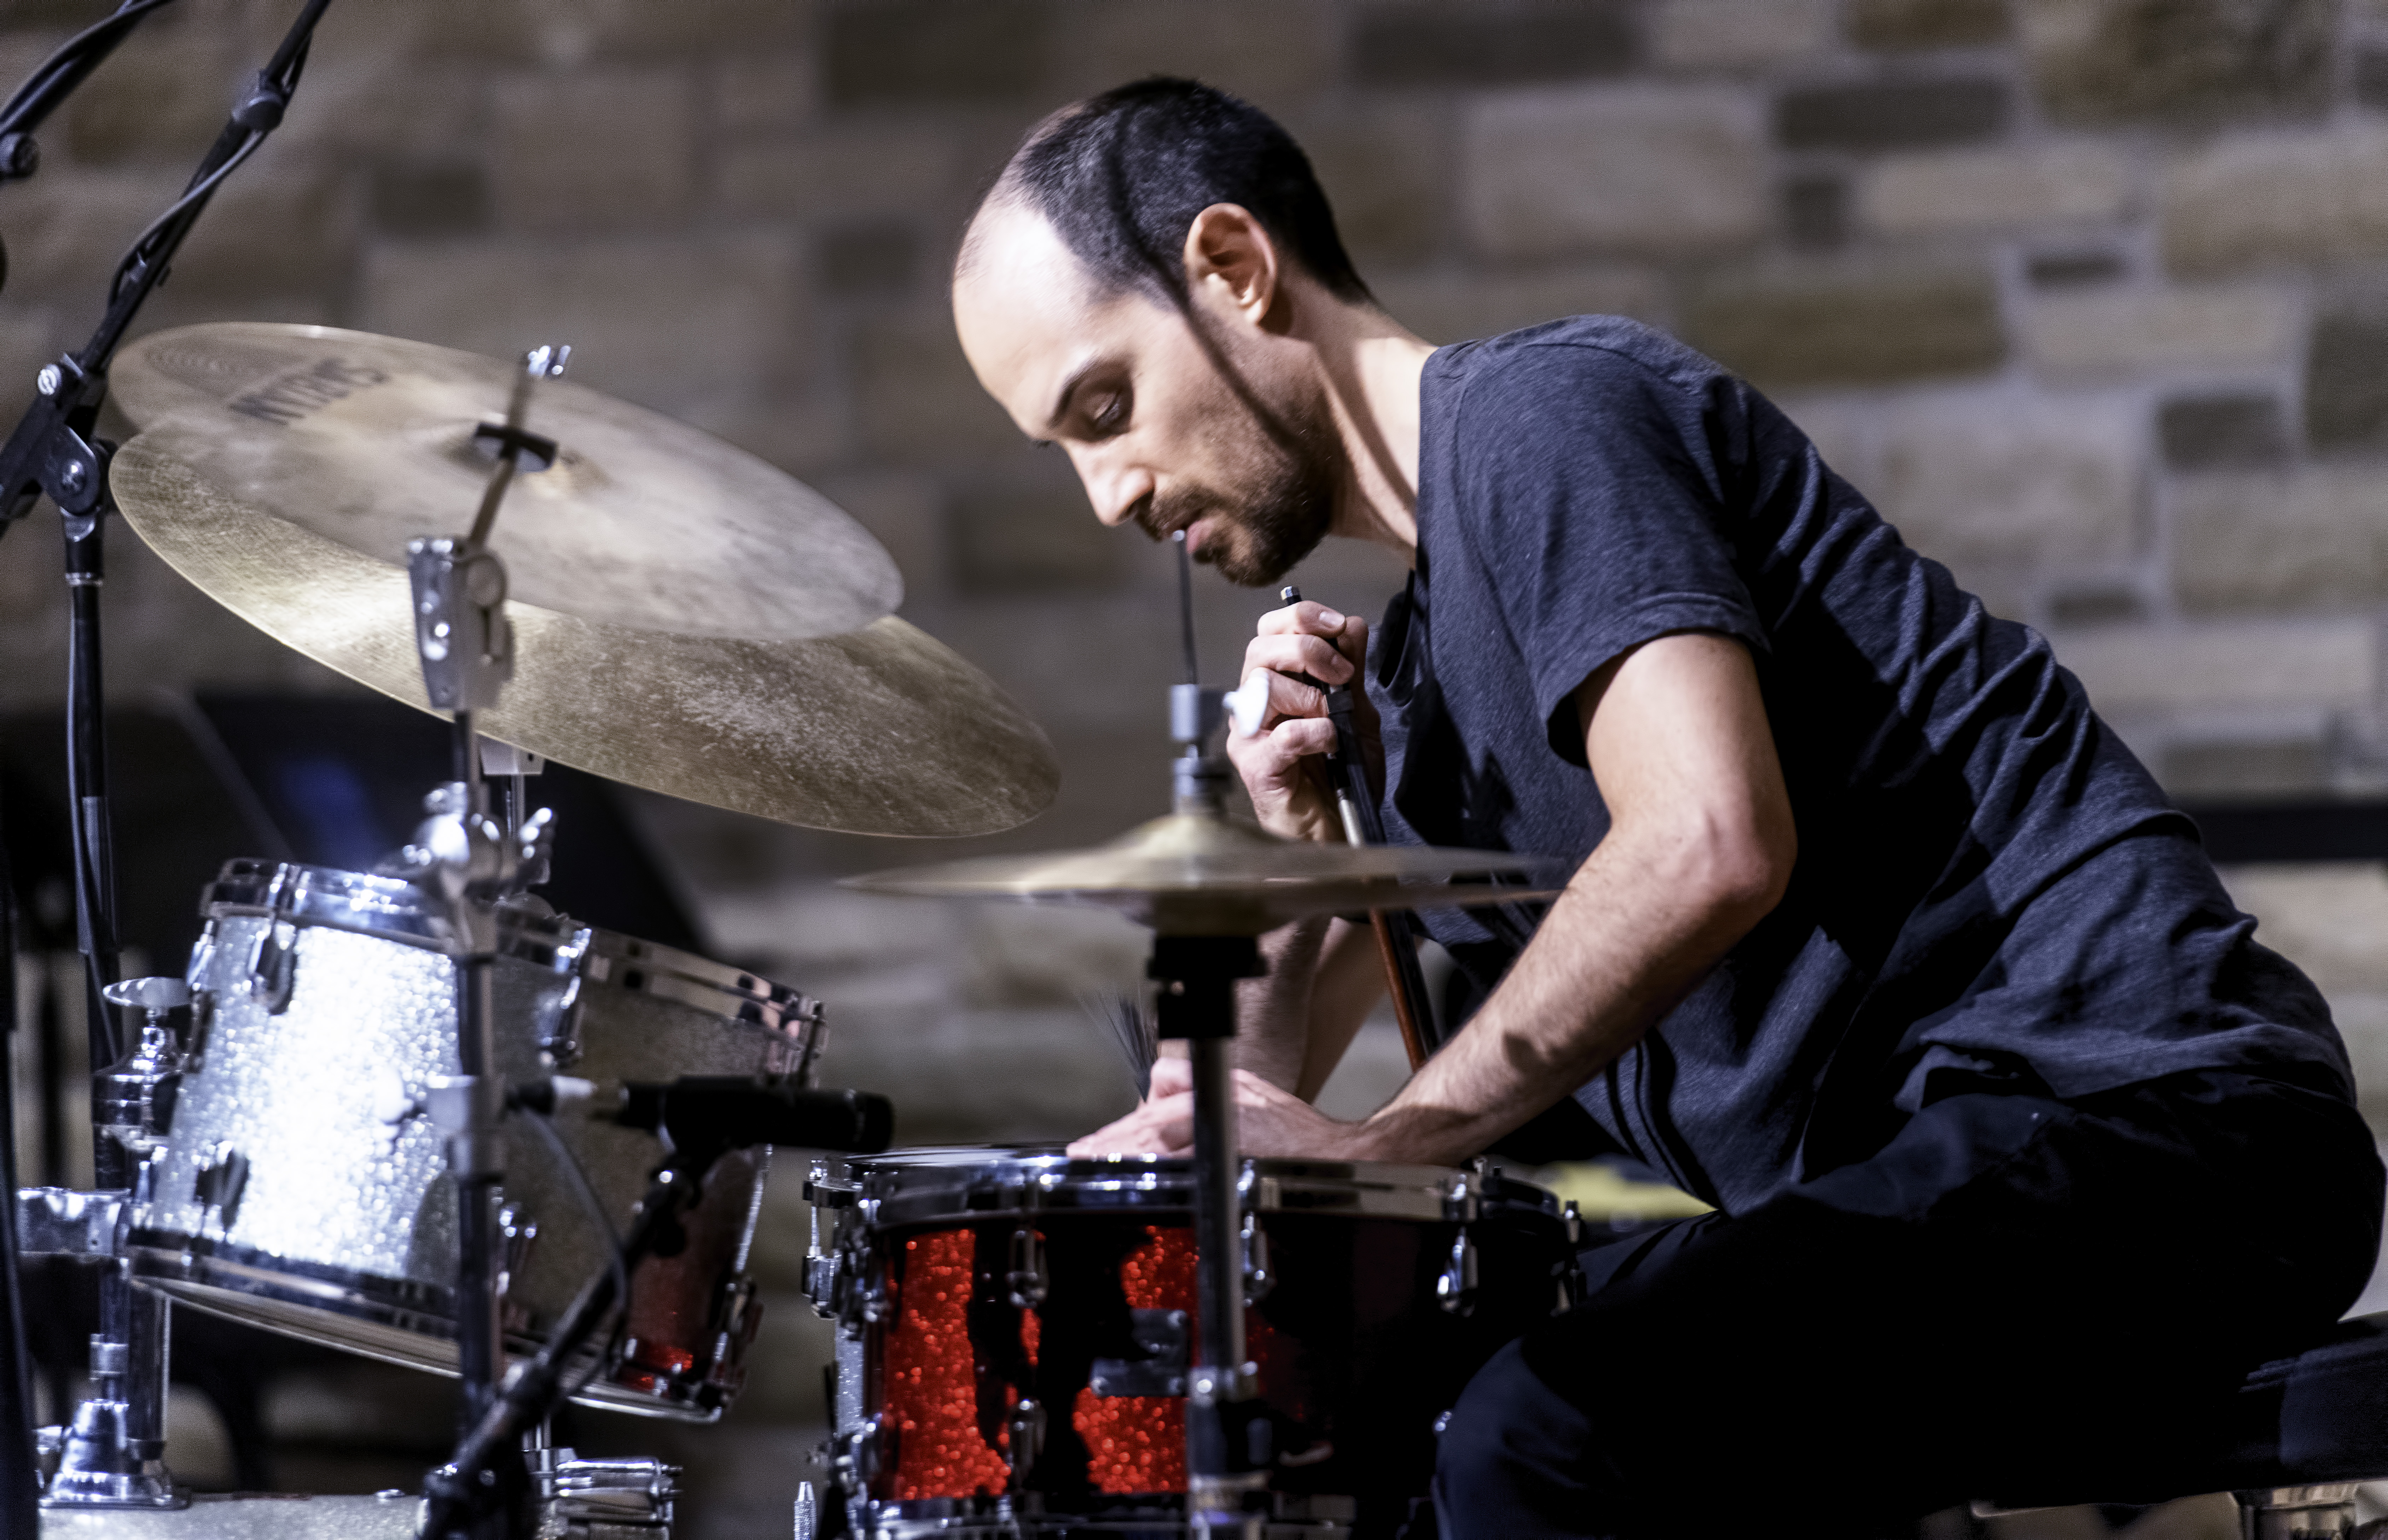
(1227,1431)
(51,452)
(466,646)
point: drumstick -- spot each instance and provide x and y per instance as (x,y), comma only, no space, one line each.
(1357,802)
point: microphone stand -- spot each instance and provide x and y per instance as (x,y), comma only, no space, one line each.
(115,1457)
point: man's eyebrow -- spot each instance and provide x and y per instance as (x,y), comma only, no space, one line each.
(1069,388)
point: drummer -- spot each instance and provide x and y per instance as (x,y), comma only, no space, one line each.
(2022,1149)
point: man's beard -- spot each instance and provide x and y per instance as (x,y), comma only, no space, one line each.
(1273,517)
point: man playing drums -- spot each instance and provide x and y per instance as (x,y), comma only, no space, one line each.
(2022,1149)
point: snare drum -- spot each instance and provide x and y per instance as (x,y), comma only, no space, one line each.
(303,1189)
(1016,1327)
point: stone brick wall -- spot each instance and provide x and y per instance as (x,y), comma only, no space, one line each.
(2090,296)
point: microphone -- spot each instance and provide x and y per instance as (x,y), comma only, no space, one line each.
(734,1111)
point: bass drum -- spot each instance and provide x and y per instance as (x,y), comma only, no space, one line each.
(302,1189)
(1015,1328)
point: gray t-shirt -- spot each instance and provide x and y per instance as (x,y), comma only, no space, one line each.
(1990,885)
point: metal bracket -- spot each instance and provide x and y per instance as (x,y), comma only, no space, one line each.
(1455,1287)
(1161,1336)
(60,1222)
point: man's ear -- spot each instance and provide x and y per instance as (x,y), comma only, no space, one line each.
(1231,260)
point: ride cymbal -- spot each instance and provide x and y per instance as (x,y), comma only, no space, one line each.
(881,731)
(1192,874)
(642,522)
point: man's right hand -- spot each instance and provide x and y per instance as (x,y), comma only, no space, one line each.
(1309,638)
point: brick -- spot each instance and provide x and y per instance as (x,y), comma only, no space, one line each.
(2367,77)
(1411,46)
(1737,34)
(1921,195)
(879,258)
(1102,44)
(2073,269)
(904,511)
(766,93)
(679,324)
(1385,172)
(273,229)
(1989,480)
(2204,433)
(2255,200)
(2258,665)
(570,36)
(1633,170)
(164,95)
(1892,116)
(2099,61)
(842,173)
(1035,536)
(2324,918)
(2346,386)
(2245,767)
(2310,538)
(451,198)
(605,147)
(1858,331)
(2120,332)
(915,399)
(1899,25)
(1816,211)
(363,104)
(1454,309)
(929,53)
(2095,604)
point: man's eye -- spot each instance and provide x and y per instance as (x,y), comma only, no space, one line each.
(1108,413)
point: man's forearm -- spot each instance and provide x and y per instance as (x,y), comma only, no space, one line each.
(1630,937)
(1294,1022)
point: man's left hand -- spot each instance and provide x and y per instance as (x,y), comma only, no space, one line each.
(1269,1121)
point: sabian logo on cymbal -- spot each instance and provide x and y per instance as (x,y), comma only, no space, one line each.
(287,398)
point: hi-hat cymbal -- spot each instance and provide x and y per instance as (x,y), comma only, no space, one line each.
(881,731)
(643,523)
(1196,874)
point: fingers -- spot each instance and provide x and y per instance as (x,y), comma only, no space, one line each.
(1346,635)
(1162,1126)
(1171,1076)
(1298,652)
(1273,758)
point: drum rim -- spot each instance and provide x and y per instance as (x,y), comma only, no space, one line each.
(397,909)
(211,1275)
(1000,1180)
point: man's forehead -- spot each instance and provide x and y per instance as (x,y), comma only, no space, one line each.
(1028,311)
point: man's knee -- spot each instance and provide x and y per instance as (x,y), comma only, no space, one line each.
(1517,1459)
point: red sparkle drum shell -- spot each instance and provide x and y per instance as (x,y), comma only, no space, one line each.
(1356,1351)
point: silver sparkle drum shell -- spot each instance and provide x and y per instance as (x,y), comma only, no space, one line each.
(302,1189)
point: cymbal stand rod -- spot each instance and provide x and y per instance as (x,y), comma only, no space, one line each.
(1227,1431)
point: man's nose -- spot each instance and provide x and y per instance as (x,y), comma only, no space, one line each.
(1115,489)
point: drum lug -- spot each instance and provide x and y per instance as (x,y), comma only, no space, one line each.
(1454,1288)
(274,966)
(1027,1282)
(518,1229)
(203,1016)
(1258,1278)
(559,1037)
(222,1173)
(1024,1424)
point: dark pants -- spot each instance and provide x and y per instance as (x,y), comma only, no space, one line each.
(2016,1294)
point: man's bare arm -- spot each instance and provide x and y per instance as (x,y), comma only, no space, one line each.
(1699,848)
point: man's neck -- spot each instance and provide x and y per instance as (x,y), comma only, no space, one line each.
(1371,367)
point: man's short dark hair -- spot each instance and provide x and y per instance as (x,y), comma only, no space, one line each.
(1121,176)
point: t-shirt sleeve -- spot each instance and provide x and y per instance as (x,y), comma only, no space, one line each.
(1588,491)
